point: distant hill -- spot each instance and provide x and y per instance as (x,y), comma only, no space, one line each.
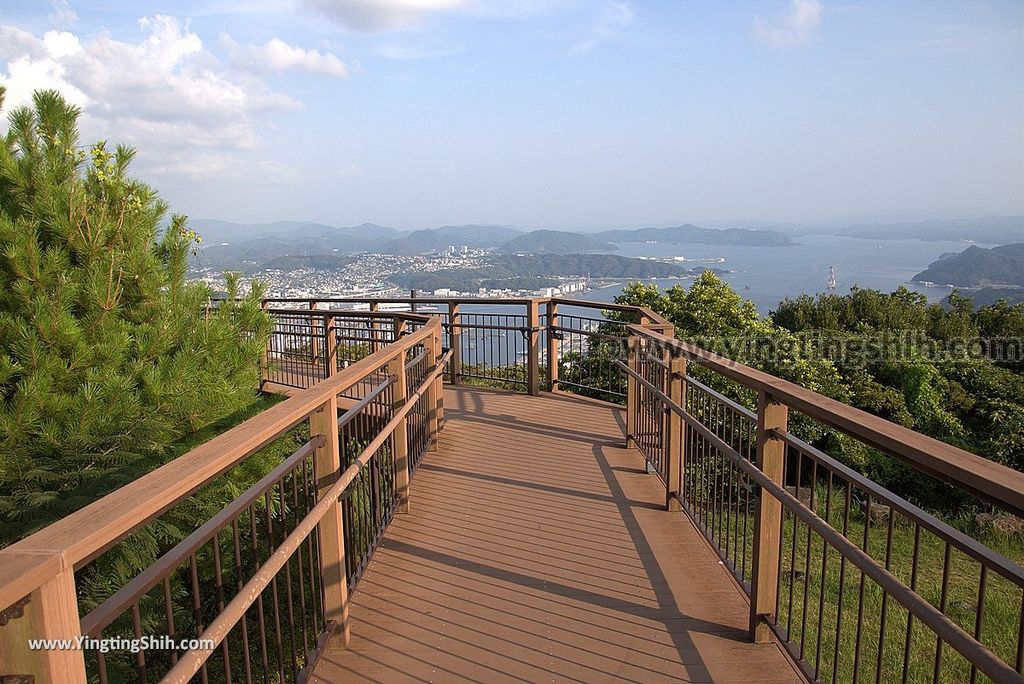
(369,231)
(992,230)
(292,262)
(987,296)
(555,242)
(594,265)
(250,255)
(539,270)
(691,234)
(214,231)
(438,239)
(977,266)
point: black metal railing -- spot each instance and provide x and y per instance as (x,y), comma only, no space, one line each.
(855,582)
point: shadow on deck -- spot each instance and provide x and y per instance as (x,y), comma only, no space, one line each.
(538,549)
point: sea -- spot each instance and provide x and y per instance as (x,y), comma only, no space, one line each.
(767,275)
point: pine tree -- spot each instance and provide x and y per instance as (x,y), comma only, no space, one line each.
(108,356)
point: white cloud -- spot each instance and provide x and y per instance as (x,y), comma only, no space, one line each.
(401,51)
(385,15)
(795,28)
(277,55)
(381,15)
(165,93)
(62,15)
(613,18)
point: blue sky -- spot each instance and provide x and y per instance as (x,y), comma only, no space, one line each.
(545,113)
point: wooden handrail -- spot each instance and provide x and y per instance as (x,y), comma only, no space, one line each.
(948,630)
(335,313)
(768,478)
(74,540)
(986,479)
(191,661)
(411,300)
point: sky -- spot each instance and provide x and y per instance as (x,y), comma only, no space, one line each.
(544,113)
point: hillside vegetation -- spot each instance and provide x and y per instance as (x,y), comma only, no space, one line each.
(976,266)
(533,271)
(555,242)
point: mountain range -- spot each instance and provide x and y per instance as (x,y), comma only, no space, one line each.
(248,246)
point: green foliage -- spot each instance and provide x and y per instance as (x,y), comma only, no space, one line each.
(529,271)
(712,315)
(894,372)
(109,359)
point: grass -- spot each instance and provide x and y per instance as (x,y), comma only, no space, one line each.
(822,598)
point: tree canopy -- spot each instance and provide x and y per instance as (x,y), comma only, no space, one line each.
(108,356)
(891,354)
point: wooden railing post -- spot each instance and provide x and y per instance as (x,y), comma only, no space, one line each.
(327,465)
(331,348)
(433,401)
(51,612)
(439,383)
(632,389)
(771,457)
(455,341)
(533,348)
(675,433)
(265,356)
(552,340)
(374,327)
(314,334)
(400,440)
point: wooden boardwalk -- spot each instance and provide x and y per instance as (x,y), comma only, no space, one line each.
(538,550)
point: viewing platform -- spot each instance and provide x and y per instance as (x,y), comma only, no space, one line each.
(535,490)
(537,549)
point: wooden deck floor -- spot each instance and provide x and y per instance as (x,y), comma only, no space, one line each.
(538,550)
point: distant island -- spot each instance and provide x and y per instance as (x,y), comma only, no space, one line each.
(978,267)
(990,230)
(512,271)
(691,234)
(555,242)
